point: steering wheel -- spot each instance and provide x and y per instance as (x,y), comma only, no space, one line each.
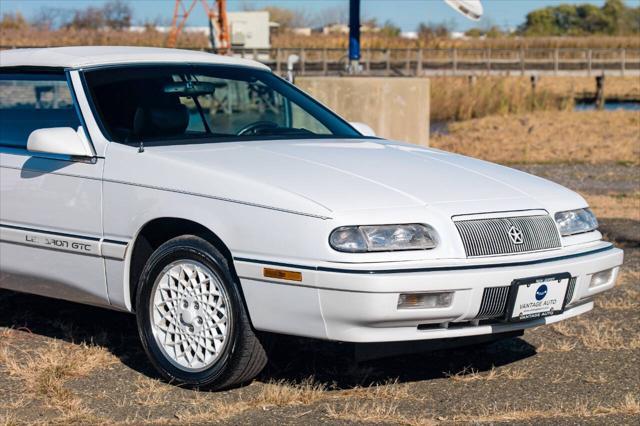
(251,128)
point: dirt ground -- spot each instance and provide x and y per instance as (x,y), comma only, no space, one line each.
(65,363)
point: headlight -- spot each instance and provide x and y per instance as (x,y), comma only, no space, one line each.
(576,221)
(361,239)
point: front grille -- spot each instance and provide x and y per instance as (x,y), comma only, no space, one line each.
(494,303)
(487,237)
(494,300)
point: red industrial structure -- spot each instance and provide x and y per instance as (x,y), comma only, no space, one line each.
(217,17)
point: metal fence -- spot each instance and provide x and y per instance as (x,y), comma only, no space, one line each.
(455,61)
(416,62)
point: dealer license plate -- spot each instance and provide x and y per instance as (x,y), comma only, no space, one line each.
(537,297)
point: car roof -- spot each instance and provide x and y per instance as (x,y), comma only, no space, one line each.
(88,56)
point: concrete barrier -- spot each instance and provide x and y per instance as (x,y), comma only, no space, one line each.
(396,108)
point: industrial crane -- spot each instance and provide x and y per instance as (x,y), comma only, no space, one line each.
(218,23)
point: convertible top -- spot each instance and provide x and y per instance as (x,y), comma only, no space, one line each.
(86,56)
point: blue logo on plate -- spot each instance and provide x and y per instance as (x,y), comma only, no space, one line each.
(541,292)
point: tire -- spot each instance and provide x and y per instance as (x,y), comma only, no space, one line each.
(192,337)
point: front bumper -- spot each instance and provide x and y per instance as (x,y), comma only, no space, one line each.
(360,305)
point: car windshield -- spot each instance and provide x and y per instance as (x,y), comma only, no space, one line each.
(202,104)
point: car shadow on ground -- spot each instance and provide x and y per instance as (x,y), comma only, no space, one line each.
(290,359)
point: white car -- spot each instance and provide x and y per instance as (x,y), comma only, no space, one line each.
(213,199)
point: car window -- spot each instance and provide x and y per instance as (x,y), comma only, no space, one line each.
(188,104)
(33,101)
(234,105)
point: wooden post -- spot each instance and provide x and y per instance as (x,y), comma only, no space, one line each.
(367,63)
(255,54)
(534,84)
(488,54)
(278,69)
(419,64)
(589,62)
(600,92)
(522,61)
(303,58)
(407,64)
(556,60)
(623,60)
(388,55)
(325,66)
(454,60)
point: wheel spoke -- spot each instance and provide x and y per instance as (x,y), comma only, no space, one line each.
(189,315)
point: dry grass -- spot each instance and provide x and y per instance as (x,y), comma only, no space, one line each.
(32,37)
(281,393)
(215,412)
(542,137)
(556,346)
(629,406)
(374,412)
(455,98)
(585,87)
(151,393)
(391,390)
(599,379)
(36,37)
(630,300)
(598,336)
(368,412)
(628,276)
(622,206)
(45,372)
(472,375)
(373,41)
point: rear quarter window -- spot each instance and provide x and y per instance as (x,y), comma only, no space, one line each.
(33,101)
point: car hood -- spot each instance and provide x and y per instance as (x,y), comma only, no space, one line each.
(330,176)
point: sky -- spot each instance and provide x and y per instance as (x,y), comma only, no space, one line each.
(407,14)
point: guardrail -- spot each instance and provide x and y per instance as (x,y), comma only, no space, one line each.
(415,62)
(455,61)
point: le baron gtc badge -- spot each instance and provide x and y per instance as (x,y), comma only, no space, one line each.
(515,235)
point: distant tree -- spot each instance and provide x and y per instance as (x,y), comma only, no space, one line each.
(13,21)
(474,32)
(49,18)
(431,30)
(389,29)
(494,32)
(286,18)
(117,14)
(90,18)
(613,18)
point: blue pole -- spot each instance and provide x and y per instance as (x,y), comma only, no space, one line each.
(354,30)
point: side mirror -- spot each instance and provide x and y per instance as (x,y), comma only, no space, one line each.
(364,129)
(58,140)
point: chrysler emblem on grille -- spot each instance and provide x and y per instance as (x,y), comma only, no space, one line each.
(515,235)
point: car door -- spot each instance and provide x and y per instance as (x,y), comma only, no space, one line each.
(50,204)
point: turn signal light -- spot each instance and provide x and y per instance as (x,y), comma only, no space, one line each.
(282,274)
(425,300)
